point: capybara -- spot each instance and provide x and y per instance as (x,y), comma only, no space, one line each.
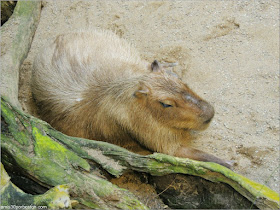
(93,84)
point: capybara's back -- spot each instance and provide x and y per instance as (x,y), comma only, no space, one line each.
(95,85)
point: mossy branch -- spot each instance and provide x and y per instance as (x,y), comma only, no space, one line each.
(53,158)
(57,197)
(42,158)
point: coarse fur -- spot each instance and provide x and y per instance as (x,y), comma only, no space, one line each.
(95,85)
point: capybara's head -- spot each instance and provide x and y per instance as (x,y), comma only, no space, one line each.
(171,102)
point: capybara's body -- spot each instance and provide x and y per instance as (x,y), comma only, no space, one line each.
(95,85)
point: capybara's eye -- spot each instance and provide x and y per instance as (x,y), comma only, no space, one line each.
(165,105)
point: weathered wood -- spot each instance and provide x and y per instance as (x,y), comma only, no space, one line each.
(12,197)
(52,158)
(18,33)
(27,146)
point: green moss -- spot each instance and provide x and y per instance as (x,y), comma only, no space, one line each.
(258,189)
(254,188)
(45,147)
(7,113)
(104,188)
(77,145)
(57,197)
(18,154)
(24,8)
(11,195)
(4,177)
(89,204)
(21,136)
(71,144)
(210,171)
(129,203)
(165,164)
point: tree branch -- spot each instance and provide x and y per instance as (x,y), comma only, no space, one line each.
(18,34)
(53,158)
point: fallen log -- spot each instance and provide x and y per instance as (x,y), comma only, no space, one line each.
(33,147)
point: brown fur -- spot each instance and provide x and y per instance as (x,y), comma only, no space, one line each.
(95,85)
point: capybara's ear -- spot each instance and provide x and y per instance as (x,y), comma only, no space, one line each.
(142,91)
(156,66)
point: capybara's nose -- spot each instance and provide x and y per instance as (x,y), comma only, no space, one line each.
(207,111)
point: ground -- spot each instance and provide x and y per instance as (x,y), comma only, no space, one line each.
(227,52)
